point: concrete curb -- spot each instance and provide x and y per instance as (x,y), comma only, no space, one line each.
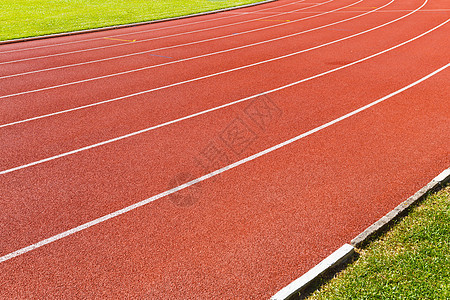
(400,210)
(341,255)
(336,258)
(42,37)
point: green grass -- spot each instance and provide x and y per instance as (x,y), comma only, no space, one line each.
(25,18)
(410,261)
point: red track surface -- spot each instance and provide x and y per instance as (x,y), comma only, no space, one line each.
(249,231)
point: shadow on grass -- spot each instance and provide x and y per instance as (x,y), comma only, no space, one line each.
(324,278)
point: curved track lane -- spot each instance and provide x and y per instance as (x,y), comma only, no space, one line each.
(271,167)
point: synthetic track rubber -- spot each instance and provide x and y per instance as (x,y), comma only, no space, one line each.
(249,231)
(65,130)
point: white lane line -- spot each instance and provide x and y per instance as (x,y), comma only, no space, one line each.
(212,109)
(148,30)
(152,50)
(167,36)
(209,175)
(207,76)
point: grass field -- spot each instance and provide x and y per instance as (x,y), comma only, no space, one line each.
(25,18)
(411,261)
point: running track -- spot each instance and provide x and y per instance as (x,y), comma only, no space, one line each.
(215,157)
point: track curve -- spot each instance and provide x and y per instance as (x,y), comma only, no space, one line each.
(215,186)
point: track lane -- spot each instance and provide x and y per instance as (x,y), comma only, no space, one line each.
(61,136)
(131,31)
(142,58)
(201,263)
(14,85)
(47,81)
(240,230)
(114,47)
(135,54)
(54,140)
(249,58)
(89,174)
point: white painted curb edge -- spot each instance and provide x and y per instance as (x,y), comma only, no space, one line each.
(444,176)
(302,282)
(382,223)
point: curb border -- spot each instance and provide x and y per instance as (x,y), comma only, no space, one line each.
(336,258)
(62,34)
(340,256)
(377,227)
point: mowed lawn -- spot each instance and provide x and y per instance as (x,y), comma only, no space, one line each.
(26,18)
